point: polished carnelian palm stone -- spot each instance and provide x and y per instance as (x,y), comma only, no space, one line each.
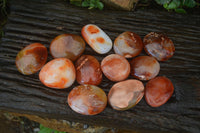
(88,70)
(115,67)
(126,94)
(58,73)
(144,67)
(159,46)
(96,38)
(158,91)
(67,46)
(87,99)
(31,58)
(128,44)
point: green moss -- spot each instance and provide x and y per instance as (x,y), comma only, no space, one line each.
(88,3)
(48,130)
(178,6)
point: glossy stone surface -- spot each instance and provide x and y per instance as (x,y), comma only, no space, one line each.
(144,67)
(58,73)
(126,94)
(88,70)
(128,44)
(115,67)
(67,46)
(159,46)
(96,38)
(87,99)
(31,58)
(158,91)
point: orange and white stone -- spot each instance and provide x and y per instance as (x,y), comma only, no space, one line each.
(31,58)
(67,46)
(97,38)
(128,44)
(88,70)
(115,67)
(126,94)
(144,67)
(59,73)
(87,99)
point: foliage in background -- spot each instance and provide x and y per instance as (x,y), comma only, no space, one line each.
(3,4)
(88,3)
(3,15)
(177,5)
(47,130)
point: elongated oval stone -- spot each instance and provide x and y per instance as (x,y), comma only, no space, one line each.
(96,38)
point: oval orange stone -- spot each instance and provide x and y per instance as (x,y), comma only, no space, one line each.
(58,73)
(158,91)
(67,46)
(31,58)
(159,46)
(144,67)
(128,44)
(88,70)
(87,99)
(126,94)
(115,67)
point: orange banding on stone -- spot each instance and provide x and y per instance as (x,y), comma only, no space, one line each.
(58,73)
(98,40)
(31,58)
(60,84)
(87,99)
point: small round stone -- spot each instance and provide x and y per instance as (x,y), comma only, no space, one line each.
(31,58)
(158,91)
(126,94)
(159,46)
(88,70)
(98,40)
(87,99)
(144,67)
(115,67)
(128,44)
(67,46)
(58,73)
